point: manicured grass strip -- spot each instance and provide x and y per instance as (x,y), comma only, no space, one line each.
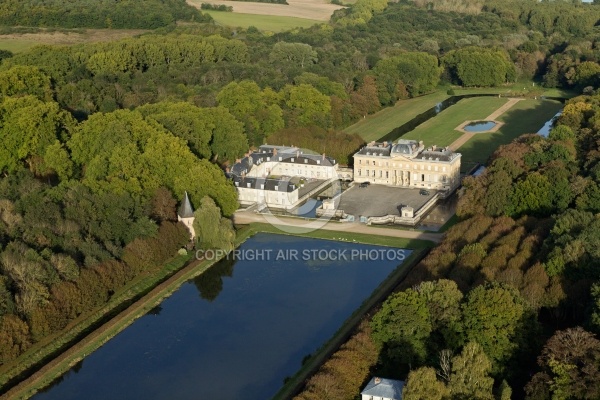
(255,227)
(311,366)
(379,124)
(439,130)
(271,23)
(527,116)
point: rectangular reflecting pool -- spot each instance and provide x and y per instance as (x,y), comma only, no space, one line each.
(238,330)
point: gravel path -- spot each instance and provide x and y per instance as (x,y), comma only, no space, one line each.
(468,135)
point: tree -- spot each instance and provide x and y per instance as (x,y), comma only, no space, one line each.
(28,127)
(469,378)
(25,80)
(492,316)
(422,384)
(300,54)
(570,363)
(212,230)
(308,106)
(478,66)
(403,324)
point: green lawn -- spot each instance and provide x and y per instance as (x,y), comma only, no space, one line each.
(439,130)
(17,45)
(527,116)
(271,23)
(379,124)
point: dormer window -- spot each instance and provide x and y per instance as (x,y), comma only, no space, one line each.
(268,158)
(276,187)
(305,161)
(319,162)
(292,159)
(280,158)
(237,184)
(248,184)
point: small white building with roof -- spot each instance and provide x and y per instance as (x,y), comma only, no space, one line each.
(185,214)
(382,389)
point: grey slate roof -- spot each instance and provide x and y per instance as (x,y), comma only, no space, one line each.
(291,155)
(273,185)
(185,209)
(386,388)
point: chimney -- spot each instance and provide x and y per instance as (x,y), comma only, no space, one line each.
(297,153)
(377,380)
(237,160)
(323,158)
(274,151)
(385,143)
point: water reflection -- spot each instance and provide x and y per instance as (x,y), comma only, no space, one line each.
(210,282)
(545,130)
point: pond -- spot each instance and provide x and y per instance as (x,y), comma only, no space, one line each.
(479,126)
(432,112)
(238,330)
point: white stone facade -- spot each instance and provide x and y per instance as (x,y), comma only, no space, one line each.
(408,164)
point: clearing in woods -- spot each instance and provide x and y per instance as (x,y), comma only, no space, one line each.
(319,10)
(19,42)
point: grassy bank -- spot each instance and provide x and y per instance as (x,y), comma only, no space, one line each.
(85,334)
(247,231)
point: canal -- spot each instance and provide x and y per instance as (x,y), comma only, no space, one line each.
(238,330)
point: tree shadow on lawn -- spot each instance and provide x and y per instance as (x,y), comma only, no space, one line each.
(517,121)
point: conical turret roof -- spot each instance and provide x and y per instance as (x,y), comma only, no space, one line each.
(185,209)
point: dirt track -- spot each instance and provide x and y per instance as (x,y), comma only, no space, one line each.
(310,9)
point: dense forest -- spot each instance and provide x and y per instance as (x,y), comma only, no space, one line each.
(99,141)
(140,14)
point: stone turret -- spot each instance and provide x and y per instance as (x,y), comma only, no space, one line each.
(185,214)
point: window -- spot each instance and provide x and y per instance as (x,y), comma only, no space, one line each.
(373,173)
(359,172)
(423,177)
(367,172)
(380,174)
(387,174)
(443,169)
(373,162)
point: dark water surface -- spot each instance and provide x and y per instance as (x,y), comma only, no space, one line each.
(236,331)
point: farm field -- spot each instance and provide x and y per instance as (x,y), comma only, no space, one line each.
(319,10)
(19,42)
(439,130)
(527,116)
(262,22)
